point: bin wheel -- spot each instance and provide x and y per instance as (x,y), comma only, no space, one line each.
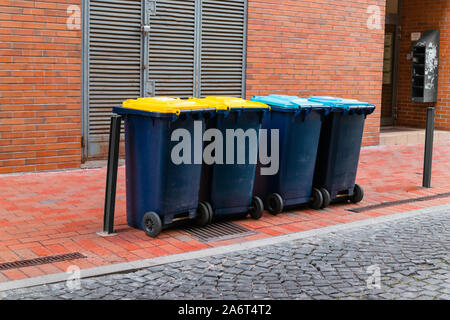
(203,215)
(316,199)
(275,204)
(211,211)
(326,197)
(256,208)
(358,194)
(152,224)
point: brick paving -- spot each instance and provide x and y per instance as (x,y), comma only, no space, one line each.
(54,213)
(411,255)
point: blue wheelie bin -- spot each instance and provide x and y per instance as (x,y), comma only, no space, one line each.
(340,147)
(299,123)
(227,184)
(159,191)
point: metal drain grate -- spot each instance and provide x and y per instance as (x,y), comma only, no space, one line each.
(399,202)
(40,261)
(218,232)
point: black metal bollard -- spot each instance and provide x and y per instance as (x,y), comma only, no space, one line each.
(429,141)
(111,174)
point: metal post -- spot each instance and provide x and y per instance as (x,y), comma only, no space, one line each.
(111,174)
(431,112)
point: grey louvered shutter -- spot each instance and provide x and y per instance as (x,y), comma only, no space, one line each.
(191,48)
(172,39)
(223,47)
(114,68)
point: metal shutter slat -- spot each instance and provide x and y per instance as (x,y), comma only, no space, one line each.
(194,47)
(172,48)
(114,60)
(222,47)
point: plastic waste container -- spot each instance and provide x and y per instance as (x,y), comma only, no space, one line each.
(339,148)
(227,183)
(160,191)
(299,123)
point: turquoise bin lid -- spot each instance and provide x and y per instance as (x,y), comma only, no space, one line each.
(275,102)
(347,105)
(302,102)
(290,102)
(339,102)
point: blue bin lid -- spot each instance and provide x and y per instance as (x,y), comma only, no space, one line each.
(302,102)
(339,102)
(344,104)
(275,102)
(288,102)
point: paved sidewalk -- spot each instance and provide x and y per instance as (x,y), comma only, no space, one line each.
(47,214)
(411,256)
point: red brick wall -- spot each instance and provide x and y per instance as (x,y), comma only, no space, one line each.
(295,47)
(40,126)
(315,48)
(418,16)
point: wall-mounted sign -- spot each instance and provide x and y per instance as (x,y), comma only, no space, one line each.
(425,67)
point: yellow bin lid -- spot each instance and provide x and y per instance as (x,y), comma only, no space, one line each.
(227,103)
(165,105)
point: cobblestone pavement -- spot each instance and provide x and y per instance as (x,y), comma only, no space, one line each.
(412,254)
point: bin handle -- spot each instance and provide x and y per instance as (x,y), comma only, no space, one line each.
(344,106)
(303,113)
(322,116)
(263,114)
(211,114)
(238,115)
(174,117)
(226,114)
(307,112)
